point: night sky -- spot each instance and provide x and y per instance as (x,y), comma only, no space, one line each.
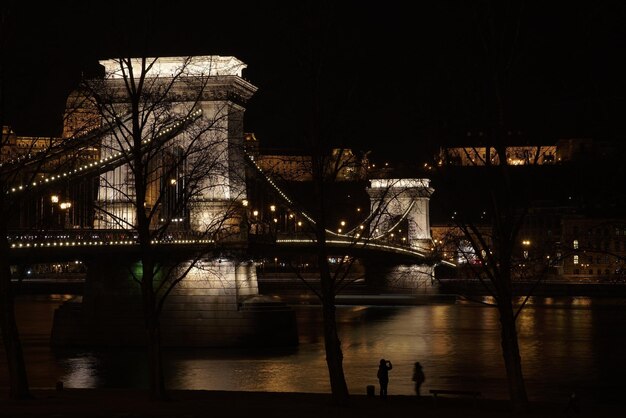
(405,76)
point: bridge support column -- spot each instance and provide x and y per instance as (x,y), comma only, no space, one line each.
(219,215)
(216,305)
(382,277)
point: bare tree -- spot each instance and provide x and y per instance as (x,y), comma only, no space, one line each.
(338,250)
(18,379)
(170,122)
(322,116)
(503,200)
(22,161)
(10,335)
(486,249)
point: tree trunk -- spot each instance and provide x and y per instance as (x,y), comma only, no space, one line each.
(512,358)
(18,380)
(157,378)
(153,330)
(332,344)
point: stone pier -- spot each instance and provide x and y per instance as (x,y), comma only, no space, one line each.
(216,305)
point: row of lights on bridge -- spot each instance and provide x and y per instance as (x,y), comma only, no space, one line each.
(98,243)
(109,159)
(342,223)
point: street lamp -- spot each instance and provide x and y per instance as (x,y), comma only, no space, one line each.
(54,199)
(256,221)
(526,243)
(65,206)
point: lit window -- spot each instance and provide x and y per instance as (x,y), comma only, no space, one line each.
(575,259)
(575,244)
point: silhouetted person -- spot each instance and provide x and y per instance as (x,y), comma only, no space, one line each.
(573,405)
(418,377)
(383,376)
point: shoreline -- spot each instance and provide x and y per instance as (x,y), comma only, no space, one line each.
(445,291)
(391,299)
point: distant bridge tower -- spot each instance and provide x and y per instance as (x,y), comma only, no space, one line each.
(213,84)
(401,203)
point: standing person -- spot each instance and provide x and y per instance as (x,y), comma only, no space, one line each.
(418,377)
(383,376)
(573,406)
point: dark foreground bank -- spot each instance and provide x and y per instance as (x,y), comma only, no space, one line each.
(188,404)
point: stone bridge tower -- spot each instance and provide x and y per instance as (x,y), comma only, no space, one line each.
(213,84)
(398,202)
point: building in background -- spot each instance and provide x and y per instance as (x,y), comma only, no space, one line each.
(561,152)
(294,165)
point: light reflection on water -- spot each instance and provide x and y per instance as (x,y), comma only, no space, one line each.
(566,344)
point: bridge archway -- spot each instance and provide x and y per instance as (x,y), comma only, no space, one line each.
(401,202)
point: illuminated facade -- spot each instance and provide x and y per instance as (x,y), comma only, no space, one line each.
(593,249)
(477,156)
(554,243)
(286,167)
(565,150)
(14,146)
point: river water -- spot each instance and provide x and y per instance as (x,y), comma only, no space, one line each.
(567,344)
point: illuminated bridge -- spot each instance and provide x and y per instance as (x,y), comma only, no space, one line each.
(82,209)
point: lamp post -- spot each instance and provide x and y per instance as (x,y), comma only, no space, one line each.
(525,253)
(54,200)
(65,207)
(526,245)
(255,213)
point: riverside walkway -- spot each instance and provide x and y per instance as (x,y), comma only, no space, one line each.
(112,403)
